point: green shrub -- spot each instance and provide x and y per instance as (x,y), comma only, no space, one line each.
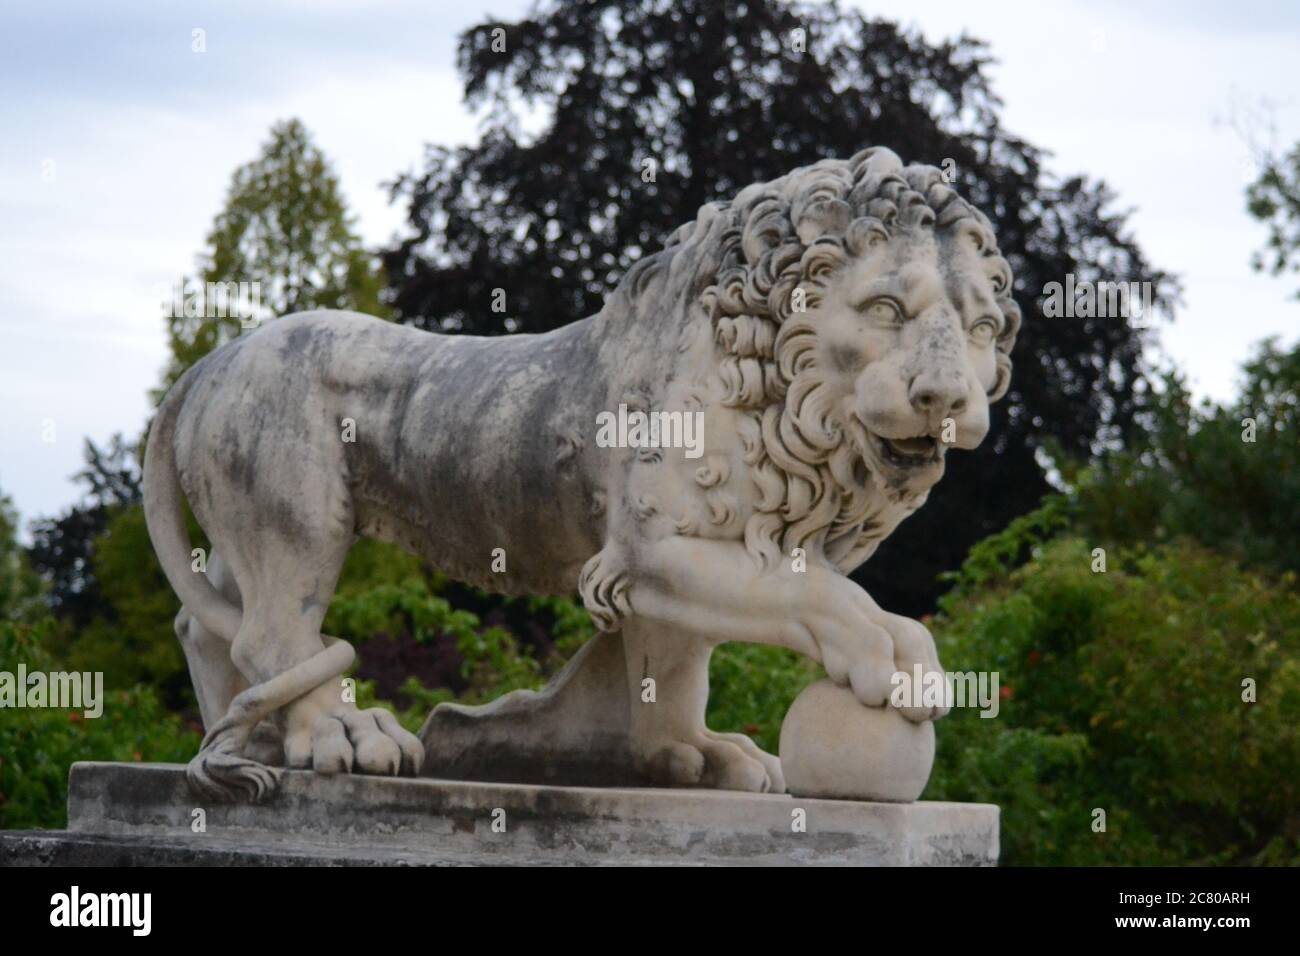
(39,745)
(130,637)
(1123,691)
(751,686)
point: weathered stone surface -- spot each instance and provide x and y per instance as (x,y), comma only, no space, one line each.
(144,813)
(799,361)
(832,746)
(62,848)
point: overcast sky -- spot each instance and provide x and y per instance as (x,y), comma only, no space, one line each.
(119,142)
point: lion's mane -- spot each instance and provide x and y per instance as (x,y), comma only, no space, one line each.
(795,233)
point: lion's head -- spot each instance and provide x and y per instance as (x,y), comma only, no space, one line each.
(863,320)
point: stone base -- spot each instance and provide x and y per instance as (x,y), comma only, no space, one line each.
(140,814)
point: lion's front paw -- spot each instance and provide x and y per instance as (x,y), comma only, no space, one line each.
(339,738)
(870,650)
(709,759)
(915,654)
(855,650)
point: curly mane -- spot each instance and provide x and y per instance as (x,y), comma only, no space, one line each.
(742,262)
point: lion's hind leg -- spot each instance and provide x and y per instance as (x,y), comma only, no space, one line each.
(286,553)
(668,683)
(216,680)
(288,592)
(221,769)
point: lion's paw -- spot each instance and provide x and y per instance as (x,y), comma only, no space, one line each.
(722,761)
(771,763)
(914,652)
(868,649)
(344,739)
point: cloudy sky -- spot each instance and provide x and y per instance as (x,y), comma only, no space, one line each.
(120,140)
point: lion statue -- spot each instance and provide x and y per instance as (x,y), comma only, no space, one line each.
(833,333)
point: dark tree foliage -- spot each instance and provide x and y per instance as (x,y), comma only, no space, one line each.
(1226,475)
(63,547)
(1274,199)
(717,94)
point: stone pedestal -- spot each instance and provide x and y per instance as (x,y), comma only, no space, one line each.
(140,814)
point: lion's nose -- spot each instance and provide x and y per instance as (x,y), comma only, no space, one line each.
(936,395)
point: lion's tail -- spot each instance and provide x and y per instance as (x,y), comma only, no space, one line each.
(219,770)
(164,514)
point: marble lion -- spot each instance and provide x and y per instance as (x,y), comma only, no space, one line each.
(839,329)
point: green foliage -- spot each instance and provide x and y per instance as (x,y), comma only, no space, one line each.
(404,607)
(38,745)
(63,547)
(422,700)
(371,563)
(495,664)
(130,633)
(751,688)
(992,558)
(1274,199)
(1170,629)
(571,626)
(1123,691)
(138,644)
(286,227)
(20,586)
(1195,474)
(493,661)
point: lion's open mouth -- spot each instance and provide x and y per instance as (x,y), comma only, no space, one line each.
(910,452)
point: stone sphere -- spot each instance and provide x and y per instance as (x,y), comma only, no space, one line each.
(832,746)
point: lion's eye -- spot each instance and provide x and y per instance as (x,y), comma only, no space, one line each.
(983,332)
(884,313)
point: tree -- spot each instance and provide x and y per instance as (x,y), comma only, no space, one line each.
(1274,199)
(1226,475)
(285,228)
(104,586)
(1198,592)
(20,587)
(1162,691)
(62,548)
(709,96)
